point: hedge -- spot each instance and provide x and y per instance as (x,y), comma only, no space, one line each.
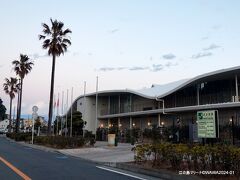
(59,141)
(190,157)
(20,136)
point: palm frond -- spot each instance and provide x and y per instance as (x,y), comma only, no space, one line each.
(41,36)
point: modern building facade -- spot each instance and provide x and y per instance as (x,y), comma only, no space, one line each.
(165,105)
(4,126)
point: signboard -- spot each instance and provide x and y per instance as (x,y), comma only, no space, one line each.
(207,124)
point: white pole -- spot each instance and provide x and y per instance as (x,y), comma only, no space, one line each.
(84,105)
(62,110)
(32,128)
(57,113)
(96,123)
(66,129)
(71,111)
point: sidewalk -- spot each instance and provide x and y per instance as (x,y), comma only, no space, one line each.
(103,153)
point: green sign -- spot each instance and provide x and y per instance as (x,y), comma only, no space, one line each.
(207,124)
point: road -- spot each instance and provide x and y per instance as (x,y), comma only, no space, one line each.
(21,162)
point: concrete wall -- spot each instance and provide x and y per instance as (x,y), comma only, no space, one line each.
(88,112)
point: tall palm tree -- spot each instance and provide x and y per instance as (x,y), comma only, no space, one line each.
(22,67)
(10,87)
(56,42)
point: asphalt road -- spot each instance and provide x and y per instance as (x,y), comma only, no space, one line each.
(38,164)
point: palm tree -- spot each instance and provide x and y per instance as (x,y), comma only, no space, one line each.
(22,67)
(56,42)
(10,87)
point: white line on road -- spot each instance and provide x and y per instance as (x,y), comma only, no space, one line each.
(118,172)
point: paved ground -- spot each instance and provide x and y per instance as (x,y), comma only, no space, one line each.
(38,164)
(103,153)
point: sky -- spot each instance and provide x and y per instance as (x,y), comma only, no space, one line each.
(127,44)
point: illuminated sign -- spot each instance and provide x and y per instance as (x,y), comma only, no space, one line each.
(207,124)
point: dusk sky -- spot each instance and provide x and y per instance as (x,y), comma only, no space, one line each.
(127,43)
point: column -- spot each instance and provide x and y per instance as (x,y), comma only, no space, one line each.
(130,103)
(108,123)
(109,105)
(119,122)
(119,104)
(130,121)
(236,85)
(197,94)
(159,120)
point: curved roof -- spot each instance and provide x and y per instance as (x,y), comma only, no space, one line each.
(161,91)
(201,77)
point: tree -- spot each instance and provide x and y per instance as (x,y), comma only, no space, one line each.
(2,110)
(56,42)
(22,67)
(10,87)
(77,123)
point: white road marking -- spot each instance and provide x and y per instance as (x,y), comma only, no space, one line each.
(125,174)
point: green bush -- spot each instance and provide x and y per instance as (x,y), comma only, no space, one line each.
(193,158)
(59,141)
(19,136)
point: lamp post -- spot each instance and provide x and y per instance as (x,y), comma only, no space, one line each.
(232,124)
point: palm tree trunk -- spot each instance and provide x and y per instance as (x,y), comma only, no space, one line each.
(19,107)
(10,118)
(51,96)
(18,93)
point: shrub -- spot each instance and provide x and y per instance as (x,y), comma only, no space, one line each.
(60,141)
(196,157)
(19,136)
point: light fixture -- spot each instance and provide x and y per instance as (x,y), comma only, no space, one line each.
(149,123)
(230,119)
(133,124)
(162,123)
(109,125)
(120,125)
(101,126)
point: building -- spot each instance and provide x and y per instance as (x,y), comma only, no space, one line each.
(26,124)
(165,105)
(4,126)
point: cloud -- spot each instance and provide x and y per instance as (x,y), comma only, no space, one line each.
(114,31)
(121,68)
(37,56)
(201,55)
(152,68)
(138,68)
(106,69)
(170,64)
(156,67)
(169,56)
(211,47)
